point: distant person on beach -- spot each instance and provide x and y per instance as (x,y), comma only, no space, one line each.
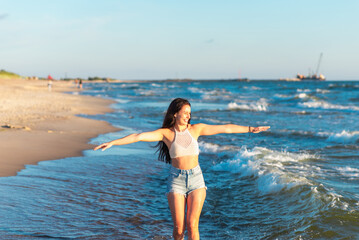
(49,82)
(178,146)
(80,84)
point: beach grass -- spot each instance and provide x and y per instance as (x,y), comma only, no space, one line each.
(7,75)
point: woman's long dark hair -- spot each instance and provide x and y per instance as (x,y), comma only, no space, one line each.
(169,122)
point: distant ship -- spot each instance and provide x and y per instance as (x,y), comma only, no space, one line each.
(301,77)
(314,76)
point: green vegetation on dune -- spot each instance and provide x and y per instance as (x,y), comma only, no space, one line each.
(6,74)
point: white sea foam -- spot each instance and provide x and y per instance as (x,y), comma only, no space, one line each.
(260,105)
(302,95)
(208,147)
(173,86)
(318,90)
(325,105)
(329,196)
(306,96)
(314,190)
(282,96)
(121,100)
(216,121)
(323,134)
(303,90)
(274,171)
(344,137)
(217,93)
(146,92)
(252,87)
(129,85)
(335,201)
(195,90)
(347,171)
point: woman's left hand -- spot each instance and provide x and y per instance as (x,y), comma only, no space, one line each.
(103,146)
(259,129)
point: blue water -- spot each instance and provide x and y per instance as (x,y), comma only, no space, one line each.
(297,181)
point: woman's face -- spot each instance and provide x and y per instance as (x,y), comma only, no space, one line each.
(183,116)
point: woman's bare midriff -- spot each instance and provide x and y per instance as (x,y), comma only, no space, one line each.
(185,162)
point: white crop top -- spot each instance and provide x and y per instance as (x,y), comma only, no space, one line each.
(183,145)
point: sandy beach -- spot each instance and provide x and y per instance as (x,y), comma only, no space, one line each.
(37,124)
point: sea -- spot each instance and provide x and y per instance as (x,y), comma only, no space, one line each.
(299,180)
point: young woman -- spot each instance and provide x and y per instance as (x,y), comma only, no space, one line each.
(178,146)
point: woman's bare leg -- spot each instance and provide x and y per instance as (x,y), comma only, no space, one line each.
(177,204)
(195,202)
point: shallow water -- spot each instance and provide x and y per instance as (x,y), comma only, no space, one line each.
(297,181)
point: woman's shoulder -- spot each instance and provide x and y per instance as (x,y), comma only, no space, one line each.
(166,131)
(168,134)
(196,126)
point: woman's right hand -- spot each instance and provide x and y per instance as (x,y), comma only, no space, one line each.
(104,146)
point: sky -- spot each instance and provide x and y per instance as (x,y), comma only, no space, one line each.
(198,39)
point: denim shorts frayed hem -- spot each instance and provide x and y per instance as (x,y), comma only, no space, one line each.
(185,181)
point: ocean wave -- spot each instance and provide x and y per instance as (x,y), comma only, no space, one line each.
(344,137)
(303,90)
(217,93)
(143,92)
(319,90)
(301,95)
(302,113)
(260,105)
(216,121)
(121,100)
(215,148)
(337,201)
(298,133)
(352,173)
(252,88)
(329,198)
(343,85)
(173,86)
(195,90)
(326,105)
(306,96)
(274,171)
(130,85)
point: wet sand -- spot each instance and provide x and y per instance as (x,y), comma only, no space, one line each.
(37,124)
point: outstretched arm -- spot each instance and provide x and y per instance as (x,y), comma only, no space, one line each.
(132,138)
(205,129)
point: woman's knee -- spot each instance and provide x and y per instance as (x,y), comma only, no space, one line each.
(179,229)
(178,233)
(192,225)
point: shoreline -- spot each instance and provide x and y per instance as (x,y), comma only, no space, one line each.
(37,124)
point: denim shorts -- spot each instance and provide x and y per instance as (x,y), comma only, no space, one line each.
(185,181)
